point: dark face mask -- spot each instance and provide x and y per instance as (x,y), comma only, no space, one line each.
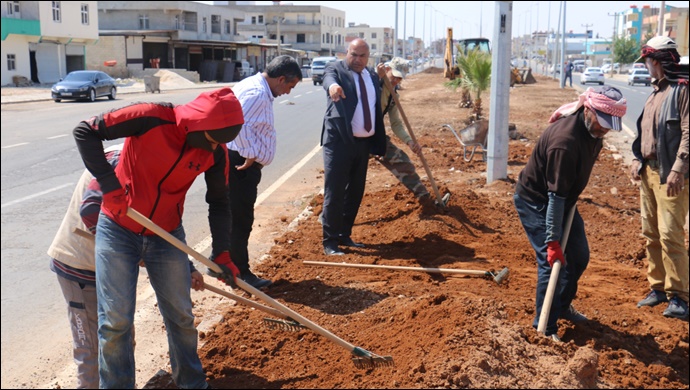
(198,139)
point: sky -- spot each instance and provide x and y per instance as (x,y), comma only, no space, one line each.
(429,19)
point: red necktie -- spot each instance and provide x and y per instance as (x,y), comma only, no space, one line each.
(365,103)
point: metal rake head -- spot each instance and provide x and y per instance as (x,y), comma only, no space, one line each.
(287,325)
(366,359)
(501,276)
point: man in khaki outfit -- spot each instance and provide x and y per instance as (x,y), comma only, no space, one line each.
(661,163)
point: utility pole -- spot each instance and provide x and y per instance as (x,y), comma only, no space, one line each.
(562,60)
(395,35)
(660,28)
(586,26)
(497,141)
(404,40)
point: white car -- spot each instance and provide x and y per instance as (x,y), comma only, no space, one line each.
(637,65)
(640,76)
(607,68)
(592,75)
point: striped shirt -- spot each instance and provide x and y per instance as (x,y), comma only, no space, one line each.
(257,139)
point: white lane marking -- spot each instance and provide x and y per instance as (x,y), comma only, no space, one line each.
(296,96)
(36,195)
(58,136)
(15,145)
(206,242)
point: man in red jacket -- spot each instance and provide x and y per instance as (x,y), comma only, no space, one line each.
(166,148)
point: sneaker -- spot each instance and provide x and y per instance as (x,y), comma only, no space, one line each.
(677,308)
(554,337)
(571,314)
(254,280)
(654,298)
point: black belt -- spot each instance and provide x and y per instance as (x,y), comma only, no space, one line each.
(236,153)
(362,138)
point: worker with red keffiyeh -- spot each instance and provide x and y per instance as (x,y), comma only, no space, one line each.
(661,164)
(555,175)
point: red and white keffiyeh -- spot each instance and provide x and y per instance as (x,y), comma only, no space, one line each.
(592,100)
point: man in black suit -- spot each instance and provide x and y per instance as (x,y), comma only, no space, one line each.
(352,129)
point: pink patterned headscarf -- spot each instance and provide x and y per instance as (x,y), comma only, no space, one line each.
(596,99)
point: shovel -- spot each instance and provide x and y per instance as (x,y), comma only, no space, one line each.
(362,359)
(553,280)
(441,201)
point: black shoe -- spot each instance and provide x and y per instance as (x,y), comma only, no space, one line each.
(254,280)
(332,250)
(347,241)
(571,314)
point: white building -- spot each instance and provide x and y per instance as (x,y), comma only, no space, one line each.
(45,40)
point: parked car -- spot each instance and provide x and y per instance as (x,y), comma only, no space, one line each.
(318,68)
(640,76)
(637,65)
(243,70)
(607,68)
(84,84)
(579,65)
(592,75)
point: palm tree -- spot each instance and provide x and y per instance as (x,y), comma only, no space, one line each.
(475,76)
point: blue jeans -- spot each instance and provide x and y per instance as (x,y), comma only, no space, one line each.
(118,251)
(533,218)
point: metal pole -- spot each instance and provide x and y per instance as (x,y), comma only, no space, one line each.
(563,48)
(660,28)
(404,38)
(395,35)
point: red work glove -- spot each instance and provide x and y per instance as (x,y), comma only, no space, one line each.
(554,252)
(116,202)
(230,271)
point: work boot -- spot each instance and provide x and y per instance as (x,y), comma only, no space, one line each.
(254,280)
(677,308)
(654,298)
(571,314)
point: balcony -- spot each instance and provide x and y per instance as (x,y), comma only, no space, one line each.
(20,27)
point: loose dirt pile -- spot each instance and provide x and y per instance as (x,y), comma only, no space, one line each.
(448,331)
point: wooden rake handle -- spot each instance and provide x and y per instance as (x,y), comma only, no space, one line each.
(553,279)
(401,268)
(147,223)
(388,84)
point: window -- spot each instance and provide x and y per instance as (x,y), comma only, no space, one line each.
(12,8)
(215,24)
(227,27)
(261,19)
(84,14)
(301,38)
(301,19)
(373,46)
(11,62)
(143,22)
(373,35)
(253,19)
(204,28)
(177,22)
(57,13)
(361,35)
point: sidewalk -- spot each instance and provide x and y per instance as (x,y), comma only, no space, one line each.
(10,94)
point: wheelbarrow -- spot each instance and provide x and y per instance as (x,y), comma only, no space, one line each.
(471,138)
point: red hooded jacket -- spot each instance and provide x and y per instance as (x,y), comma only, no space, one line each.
(158,166)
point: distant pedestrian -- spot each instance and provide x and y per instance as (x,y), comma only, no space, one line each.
(569,71)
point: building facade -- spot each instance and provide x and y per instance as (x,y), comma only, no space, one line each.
(44,40)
